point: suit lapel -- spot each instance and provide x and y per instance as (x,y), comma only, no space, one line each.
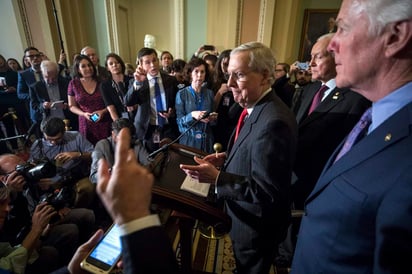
(248,126)
(43,92)
(332,100)
(390,132)
(308,94)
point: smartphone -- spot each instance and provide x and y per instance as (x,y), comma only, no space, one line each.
(302,65)
(104,256)
(94,117)
(208,47)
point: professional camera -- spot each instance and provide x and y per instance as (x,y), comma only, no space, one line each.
(59,198)
(36,171)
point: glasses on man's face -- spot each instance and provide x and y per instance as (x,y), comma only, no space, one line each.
(5,175)
(32,56)
(237,76)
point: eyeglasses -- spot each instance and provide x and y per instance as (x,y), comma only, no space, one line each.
(237,76)
(32,56)
(5,176)
(279,70)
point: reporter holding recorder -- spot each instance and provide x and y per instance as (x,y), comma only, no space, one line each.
(193,103)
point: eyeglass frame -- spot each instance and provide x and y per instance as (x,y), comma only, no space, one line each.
(237,76)
(32,56)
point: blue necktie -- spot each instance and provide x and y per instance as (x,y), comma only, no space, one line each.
(357,133)
(159,105)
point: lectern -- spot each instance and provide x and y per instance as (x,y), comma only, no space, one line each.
(167,192)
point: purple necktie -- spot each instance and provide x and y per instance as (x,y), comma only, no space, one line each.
(318,98)
(356,134)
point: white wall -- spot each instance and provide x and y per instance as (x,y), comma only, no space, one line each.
(10,42)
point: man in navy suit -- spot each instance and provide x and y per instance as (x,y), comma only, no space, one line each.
(358,218)
(320,131)
(254,176)
(27,78)
(141,96)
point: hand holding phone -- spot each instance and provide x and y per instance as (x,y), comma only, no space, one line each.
(94,117)
(302,65)
(104,256)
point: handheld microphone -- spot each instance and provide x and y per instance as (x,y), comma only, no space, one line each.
(151,156)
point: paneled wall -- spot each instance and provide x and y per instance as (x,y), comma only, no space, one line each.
(180,26)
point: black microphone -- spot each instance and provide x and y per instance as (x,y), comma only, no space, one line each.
(151,156)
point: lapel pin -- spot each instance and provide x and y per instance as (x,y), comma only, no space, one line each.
(335,96)
(388,137)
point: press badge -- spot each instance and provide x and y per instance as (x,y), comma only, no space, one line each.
(198,135)
(226,101)
(156,137)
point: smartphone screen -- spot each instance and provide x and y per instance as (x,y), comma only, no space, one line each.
(94,117)
(105,254)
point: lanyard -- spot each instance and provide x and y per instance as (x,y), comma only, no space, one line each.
(198,99)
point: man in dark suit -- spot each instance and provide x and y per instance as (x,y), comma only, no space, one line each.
(254,176)
(358,217)
(48,98)
(323,127)
(141,96)
(27,78)
(146,247)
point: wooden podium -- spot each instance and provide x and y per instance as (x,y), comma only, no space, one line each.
(167,192)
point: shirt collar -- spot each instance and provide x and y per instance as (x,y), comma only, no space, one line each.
(391,103)
(250,109)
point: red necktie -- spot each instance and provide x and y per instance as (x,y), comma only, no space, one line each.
(317,98)
(240,122)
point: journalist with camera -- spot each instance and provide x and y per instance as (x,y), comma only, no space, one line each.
(65,229)
(70,153)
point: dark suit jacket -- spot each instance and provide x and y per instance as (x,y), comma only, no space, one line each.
(102,74)
(25,79)
(148,251)
(358,217)
(255,183)
(39,95)
(284,90)
(142,98)
(321,132)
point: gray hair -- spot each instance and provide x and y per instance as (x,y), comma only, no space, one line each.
(261,58)
(326,36)
(83,51)
(382,12)
(47,65)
